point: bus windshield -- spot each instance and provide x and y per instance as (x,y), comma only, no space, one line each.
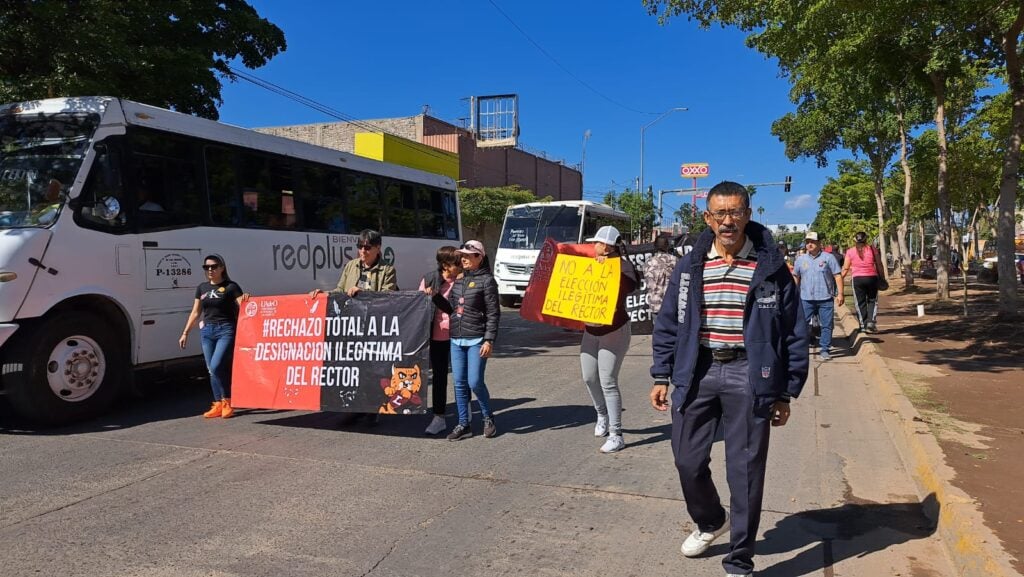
(526,227)
(39,158)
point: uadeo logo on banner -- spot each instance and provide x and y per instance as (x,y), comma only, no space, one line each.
(367,354)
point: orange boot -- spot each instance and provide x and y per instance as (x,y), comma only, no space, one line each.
(215,410)
(225,409)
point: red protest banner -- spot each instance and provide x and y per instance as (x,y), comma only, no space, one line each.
(261,378)
(333,353)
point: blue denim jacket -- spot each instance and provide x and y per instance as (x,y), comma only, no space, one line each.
(774,329)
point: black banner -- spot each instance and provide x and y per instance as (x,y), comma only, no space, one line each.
(380,356)
(637,306)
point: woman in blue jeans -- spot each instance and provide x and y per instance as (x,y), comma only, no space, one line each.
(217,301)
(473,325)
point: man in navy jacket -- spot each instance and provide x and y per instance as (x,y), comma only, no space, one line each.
(732,338)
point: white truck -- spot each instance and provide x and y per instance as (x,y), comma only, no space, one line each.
(525,228)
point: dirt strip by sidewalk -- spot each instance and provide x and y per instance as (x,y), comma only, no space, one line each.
(976,549)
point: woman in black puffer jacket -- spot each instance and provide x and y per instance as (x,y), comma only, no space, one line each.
(474,325)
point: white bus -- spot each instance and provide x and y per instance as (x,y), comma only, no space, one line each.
(107,208)
(527,225)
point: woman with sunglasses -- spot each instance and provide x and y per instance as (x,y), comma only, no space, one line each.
(473,325)
(217,300)
(604,347)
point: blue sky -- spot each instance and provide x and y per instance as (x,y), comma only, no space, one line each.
(383,59)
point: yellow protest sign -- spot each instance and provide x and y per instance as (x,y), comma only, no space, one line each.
(583,289)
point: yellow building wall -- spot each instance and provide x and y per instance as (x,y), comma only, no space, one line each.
(396,150)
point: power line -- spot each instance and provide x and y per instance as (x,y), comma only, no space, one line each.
(328,111)
(559,64)
(323,108)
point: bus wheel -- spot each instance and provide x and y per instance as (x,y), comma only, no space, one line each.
(508,301)
(71,369)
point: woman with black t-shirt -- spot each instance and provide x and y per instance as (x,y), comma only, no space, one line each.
(217,299)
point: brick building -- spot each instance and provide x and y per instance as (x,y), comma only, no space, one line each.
(477,166)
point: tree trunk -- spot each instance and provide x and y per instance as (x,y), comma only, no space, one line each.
(904,226)
(1011,165)
(878,169)
(942,193)
(920,229)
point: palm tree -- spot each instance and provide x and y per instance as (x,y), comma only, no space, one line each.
(760,213)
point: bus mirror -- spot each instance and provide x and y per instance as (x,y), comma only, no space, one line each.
(109,208)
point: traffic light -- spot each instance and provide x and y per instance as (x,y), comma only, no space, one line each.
(789,182)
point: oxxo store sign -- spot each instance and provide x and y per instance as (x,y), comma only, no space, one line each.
(695,170)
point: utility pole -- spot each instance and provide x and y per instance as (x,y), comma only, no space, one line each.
(583,156)
(640,181)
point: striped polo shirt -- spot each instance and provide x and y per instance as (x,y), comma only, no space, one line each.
(725,296)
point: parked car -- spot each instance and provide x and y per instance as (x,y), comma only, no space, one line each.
(990,271)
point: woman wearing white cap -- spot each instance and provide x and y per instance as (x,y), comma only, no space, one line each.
(604,346)
(473,326)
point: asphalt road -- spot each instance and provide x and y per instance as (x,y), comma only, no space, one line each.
(153,489)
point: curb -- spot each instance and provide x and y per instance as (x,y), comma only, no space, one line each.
(973,547)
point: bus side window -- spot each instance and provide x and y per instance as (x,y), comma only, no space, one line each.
(430,209)
(222,185)
(267,192)
(400,207)
(590,225)
(167,192)
(320,199)
(362,194)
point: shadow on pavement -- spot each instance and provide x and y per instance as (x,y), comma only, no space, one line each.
(525,420)
(395,425)
(163,399)
(851,530)
(518,337)
(658,434)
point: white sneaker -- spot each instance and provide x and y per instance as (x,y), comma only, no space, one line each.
(601,428)
(437,425)
(698,542)
(613,444)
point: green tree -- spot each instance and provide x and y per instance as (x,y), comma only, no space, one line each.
(484,205)
(691,218)
(846,204)
(925,44)
(171,54)
(640,208)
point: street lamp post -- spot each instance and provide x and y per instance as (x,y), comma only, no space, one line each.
(583,155)
(642,130)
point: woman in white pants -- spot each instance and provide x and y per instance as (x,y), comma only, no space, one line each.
(604,346)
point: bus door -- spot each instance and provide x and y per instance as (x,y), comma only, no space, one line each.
(167,204)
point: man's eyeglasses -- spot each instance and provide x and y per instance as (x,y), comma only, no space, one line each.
(211,266)
(736,214)
(364,246)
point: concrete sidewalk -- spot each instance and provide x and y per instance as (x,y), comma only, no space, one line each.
(974,549)
(838,498)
